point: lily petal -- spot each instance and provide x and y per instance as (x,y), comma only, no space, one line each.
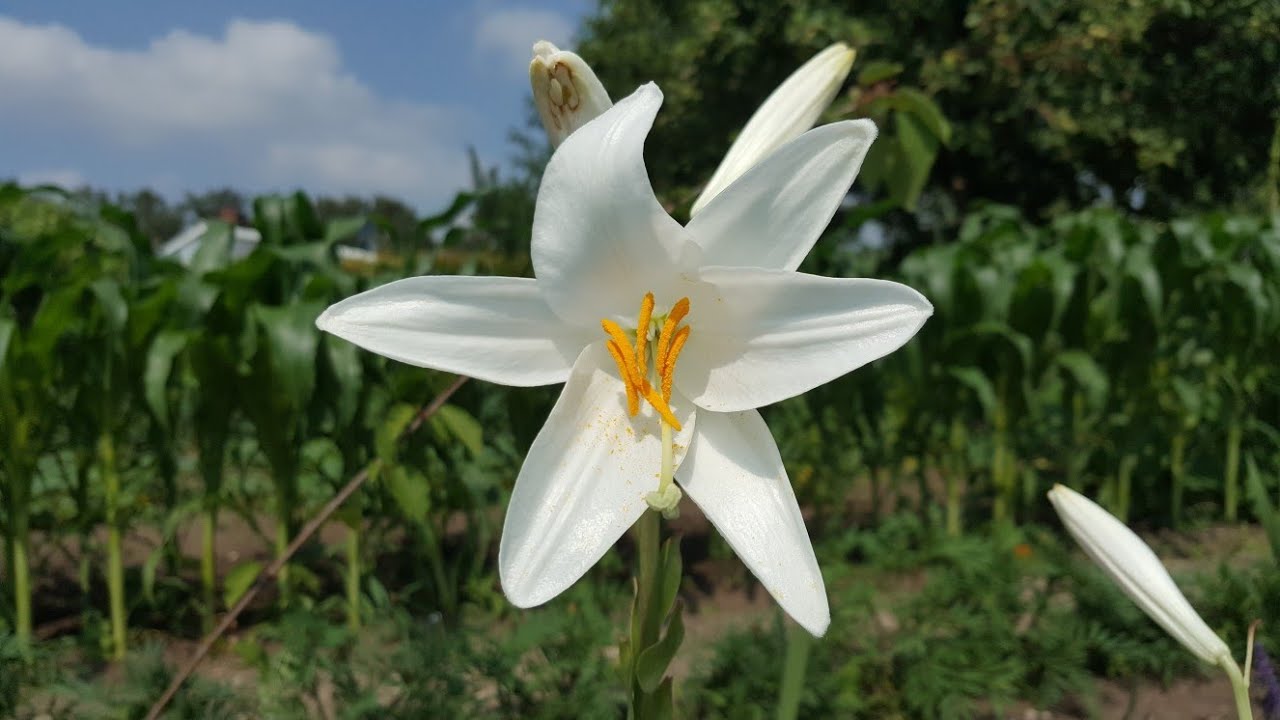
(788,111)
(492,328)
(566,91)
(759,336)
(1139,573)
(600,238)
(583,482)
(734,473)
(772,215)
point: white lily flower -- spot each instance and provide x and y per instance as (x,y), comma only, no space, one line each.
(566,91)
(720,296)
(789,110)
(1139,573)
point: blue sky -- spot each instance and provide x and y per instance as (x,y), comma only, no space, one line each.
(332,97)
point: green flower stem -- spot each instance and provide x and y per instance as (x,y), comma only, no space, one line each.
(115,562)
(1177,477)
(208,565)
(282,547)
(794,666)
(643,629)
(21,569)
(646,653)
(1240,688)
(1231,494)
(353,577)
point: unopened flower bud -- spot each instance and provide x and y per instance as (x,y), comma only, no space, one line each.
(565,89)
(1138,572)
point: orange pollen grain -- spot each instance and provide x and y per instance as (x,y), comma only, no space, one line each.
(633,361)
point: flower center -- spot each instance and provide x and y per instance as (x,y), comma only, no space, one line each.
(633,360)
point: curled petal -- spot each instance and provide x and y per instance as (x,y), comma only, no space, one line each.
(566,91)
(600,238)
(771,216)
(735,475)
(492,328)
(790,110)
(1139,573)
(760,336)
(583,482)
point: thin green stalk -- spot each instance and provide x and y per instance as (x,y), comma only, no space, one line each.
(115,562)
(21,569)
(1001,460)
(1273,171)
(1231,493)
(1177,476)
(959,471)
(1239,688)
(353,578)
(282,546)
(1124,487)
(435,561)
(644,631)
(794,666)
(208,565)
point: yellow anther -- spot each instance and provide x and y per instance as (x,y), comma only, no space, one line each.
(616,332)
(667,365)
(678,311)
(642,334)
(633,361)
(661,406)
(619,357)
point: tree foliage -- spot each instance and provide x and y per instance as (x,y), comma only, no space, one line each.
(1170,105)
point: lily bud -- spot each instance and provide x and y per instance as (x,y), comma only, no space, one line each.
(565,89)
(1138,572)
(788,112)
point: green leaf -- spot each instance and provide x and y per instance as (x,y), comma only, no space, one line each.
(461,202)
(1262,506)
(411,493)
(924,109)
(664,702)
(671,572)
(878,71)
(348,372)
(291,341)
(155,377)
(918,150)
(214,251)
(239,580)
(654,660)
(983,390)
(7,327)
(393,425)
(115,311)
(1140,268)
(462,427)
(1087,374)
(340,229)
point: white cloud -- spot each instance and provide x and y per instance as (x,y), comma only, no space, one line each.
(507,36)
(62,177)
(270,99)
